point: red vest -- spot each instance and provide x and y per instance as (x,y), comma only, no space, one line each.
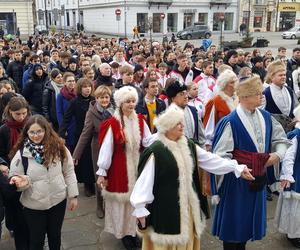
(221,109)
(117,177)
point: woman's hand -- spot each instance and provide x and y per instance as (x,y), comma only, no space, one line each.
(247,175)
(19,180)
(73,203)
(285,183)
(101,182)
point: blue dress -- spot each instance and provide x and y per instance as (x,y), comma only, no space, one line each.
(240,214)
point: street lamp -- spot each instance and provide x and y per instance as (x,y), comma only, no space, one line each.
(150,26)
(125,18)
(221,18)
(46,14)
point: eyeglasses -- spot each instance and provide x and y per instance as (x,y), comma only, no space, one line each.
(37,133)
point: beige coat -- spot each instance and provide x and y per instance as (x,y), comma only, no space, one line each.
(47,186)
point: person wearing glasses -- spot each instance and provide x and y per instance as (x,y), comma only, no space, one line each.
(48,183)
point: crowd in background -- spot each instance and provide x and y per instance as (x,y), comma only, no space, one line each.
(66,87)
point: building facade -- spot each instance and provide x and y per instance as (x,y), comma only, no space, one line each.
(162,16)
(17,14)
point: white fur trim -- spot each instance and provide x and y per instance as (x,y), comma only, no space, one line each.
(231,102)
(169,119)
(123,94)
(187,196)
(133,137)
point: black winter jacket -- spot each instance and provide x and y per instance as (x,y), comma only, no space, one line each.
(49,105)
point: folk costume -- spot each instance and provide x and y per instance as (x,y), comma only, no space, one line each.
(121,139)
(216,108)
(168,188)
(247,137)
(287,217)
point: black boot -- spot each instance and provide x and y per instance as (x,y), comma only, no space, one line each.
(129,242)
(294,241)
(89,189)
(100,206)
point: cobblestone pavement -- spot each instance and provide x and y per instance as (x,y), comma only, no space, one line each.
(82,230)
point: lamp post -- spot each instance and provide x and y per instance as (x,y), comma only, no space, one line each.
(221,18)
(249,11)
(125,18)
(78,12)
(150,26)
(46,14)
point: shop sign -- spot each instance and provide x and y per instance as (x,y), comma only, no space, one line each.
(289,7)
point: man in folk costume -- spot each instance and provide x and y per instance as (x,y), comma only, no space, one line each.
(177,94)
(288,211)
(253,137)
(166,194)
(280,99)
(121,138)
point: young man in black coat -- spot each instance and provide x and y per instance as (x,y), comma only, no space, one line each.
(15,69)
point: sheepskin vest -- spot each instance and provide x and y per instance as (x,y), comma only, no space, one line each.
(121,175)
(175,193)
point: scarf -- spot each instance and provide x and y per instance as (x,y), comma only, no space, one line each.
(57,87)
(106,113)
(14,129)
(66,93)
(36,150)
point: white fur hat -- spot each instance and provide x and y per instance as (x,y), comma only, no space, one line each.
(169,119)
(125,93)
(296,113)
(226,77)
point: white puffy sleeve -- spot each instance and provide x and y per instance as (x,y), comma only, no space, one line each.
(148,138)
(288,162)
(105,153)
(217,165)
(210,127)
(142,193)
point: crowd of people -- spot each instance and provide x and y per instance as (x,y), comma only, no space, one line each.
(158,132)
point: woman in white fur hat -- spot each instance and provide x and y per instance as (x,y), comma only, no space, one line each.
(166,194)
(121,138)
(287,218)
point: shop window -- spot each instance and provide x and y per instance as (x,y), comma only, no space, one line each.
(258,19)
(68,18)
(202,18)
(142,22)
(188,20)
(246,17)
(228,21)
(157,23)
(172,22)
